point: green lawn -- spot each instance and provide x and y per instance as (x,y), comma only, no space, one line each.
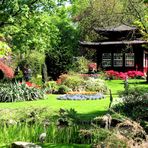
(88,108)
(118,85)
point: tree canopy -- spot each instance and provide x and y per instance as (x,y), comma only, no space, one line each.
(54,27)
(108,13)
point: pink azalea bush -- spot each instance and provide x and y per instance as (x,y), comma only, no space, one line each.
(133,74)
(122,75)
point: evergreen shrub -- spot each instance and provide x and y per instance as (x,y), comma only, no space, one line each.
(35,60)
(81,65)
(51,86)
(63,89)
(134,103)
(74,82)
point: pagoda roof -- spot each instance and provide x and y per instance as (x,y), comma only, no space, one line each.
(120,28)
(118,33)
(94,44)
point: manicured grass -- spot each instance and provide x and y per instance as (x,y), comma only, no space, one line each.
(118,85)
(87,108)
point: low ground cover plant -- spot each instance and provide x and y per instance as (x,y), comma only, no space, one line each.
(81,96)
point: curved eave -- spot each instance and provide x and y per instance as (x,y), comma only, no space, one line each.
(94,44)
(121,28)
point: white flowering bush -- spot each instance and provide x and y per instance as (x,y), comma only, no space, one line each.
(97,85)
(79,83)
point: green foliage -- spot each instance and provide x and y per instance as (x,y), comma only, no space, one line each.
(37,80)
(74,82)
(97,85)
(134,103)
(28,24)
(5,50)
(51,86)
(66,117)
(63,89)
(78,83)
(14,92)
(57,135)
(81,65)
(143,26)
(41,25)
(35,61)
(60,58)
(45,77)
(102,14)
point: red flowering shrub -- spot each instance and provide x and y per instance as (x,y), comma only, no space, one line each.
(112,74)
(133,74)
(120,75)
(8,72)
(29,84)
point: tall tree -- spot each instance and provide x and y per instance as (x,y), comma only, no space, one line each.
(28,24)
(60,58)
(107,13)
(40,25)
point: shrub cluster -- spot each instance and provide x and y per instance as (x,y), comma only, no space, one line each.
(35,61)
(134,104)
(120,75)
(80,65)
(13,92)
(78,83)
(97,85)
(51,87)
(75,82)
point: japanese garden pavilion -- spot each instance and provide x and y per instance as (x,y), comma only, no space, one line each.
(121,50)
